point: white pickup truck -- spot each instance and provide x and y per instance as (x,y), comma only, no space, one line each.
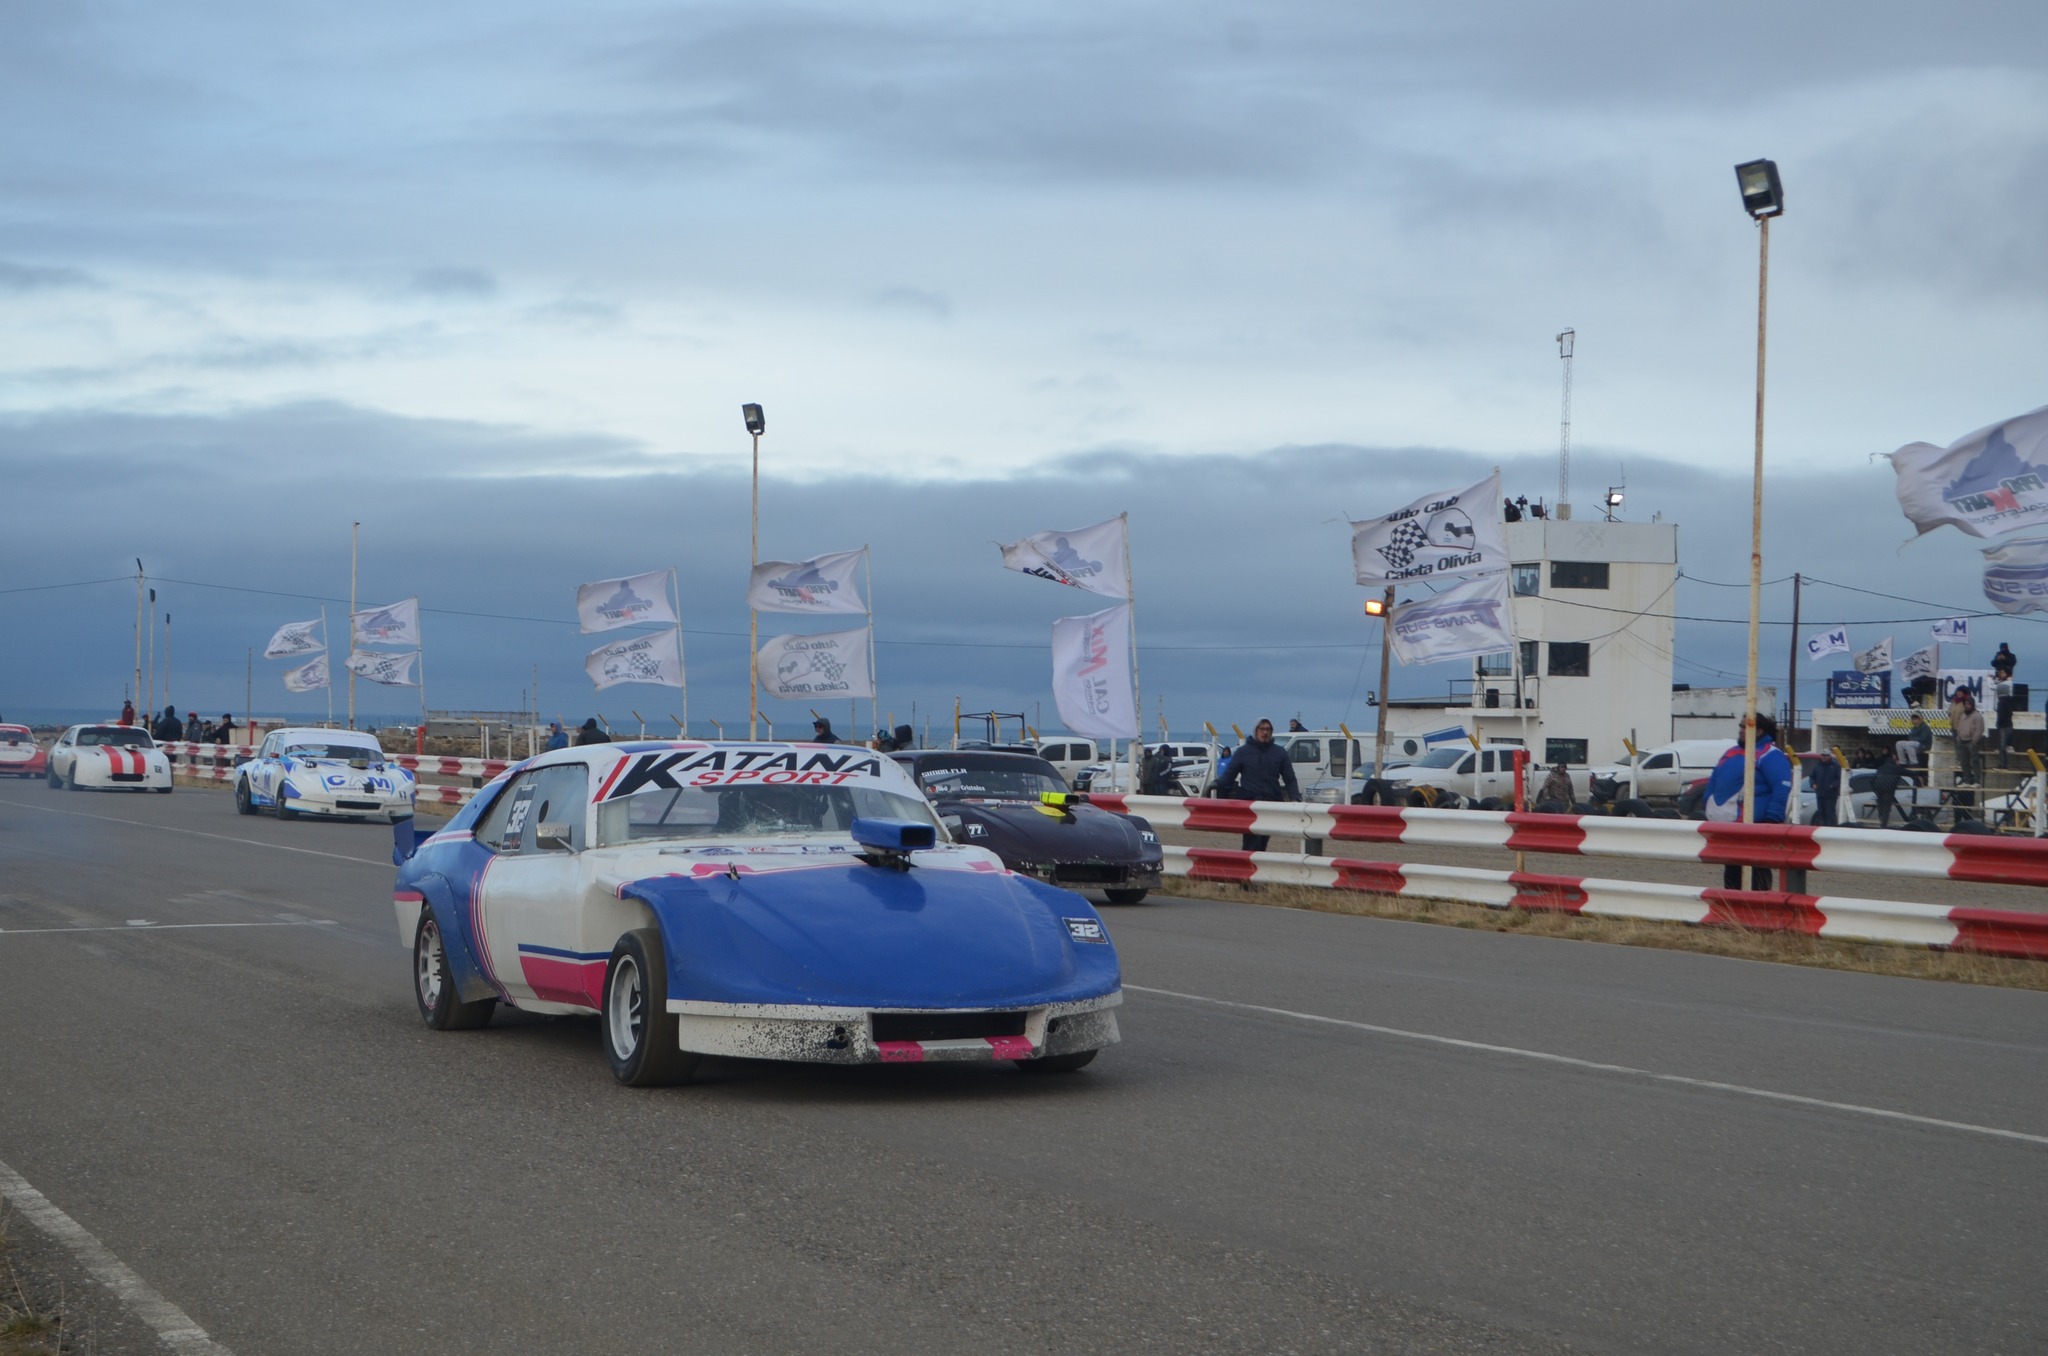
(1487,771)
(1662,771)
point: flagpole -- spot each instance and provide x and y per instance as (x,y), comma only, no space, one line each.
(149,707)
(138,629)
(675,587)
(753,615)
(1137,688)
(167,659)
(874,691)
(419,626)
(355,531)
(1792,670)
(328,642)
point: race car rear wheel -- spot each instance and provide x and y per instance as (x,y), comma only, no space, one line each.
(1125,896)
(243,805)
(51,779)
(434,990)
(1058,1063)
(640,1034)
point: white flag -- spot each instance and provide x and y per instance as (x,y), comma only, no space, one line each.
(1828,642)
(611,603)
(1952,631)
(398,624)
(1089,558)
(820,584)
(392,670)
(1989,484)
(1091,674)
(2016,576)
(1472,618)
(294,638)
(307,677)
(1876,659)
(1919,664)
(1447,535)
(805,668)
(656,657)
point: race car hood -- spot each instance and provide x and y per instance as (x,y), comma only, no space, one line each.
(848,934)
(1020,832)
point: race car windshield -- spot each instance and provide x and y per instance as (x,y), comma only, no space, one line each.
(988,783)
(710,814)
(342,751)
(126,739)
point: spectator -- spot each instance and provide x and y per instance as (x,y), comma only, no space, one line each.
(195,728)
(127,712)
(226,729)
(558,738)
(1294,725)
(2002,665)
(1773,781)
(1827,791)
(590,734)
(821,732)
(1259,770)
(2005,660)
(1155,777)
(1555,796)
(1966,723)
(905,738)
(1913,749)
(168,727)
(1885,784)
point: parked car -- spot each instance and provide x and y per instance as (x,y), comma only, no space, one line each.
(338,774)
(1071,753)
(760,900)
(1195,767)
(107,758)
(1475,774)
(20,754)
(1662,771)
(1016,806)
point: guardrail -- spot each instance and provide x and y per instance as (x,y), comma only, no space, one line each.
(1983,858)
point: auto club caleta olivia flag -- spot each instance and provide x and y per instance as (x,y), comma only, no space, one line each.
(827,664)
(610,604)
(827,583)
(308,677)
(1451,534)
(1093,558)
(656,657)
(296,638)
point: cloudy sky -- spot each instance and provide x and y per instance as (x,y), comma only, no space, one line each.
(493,279)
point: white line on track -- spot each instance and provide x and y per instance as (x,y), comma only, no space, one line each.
(1596,1067)
(172,1325)
(200,833)
(171,927)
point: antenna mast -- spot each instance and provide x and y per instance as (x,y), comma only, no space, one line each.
(1565,340)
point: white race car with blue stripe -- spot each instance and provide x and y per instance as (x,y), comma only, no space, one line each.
(342,774)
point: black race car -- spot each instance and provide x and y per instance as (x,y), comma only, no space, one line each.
(1015,805)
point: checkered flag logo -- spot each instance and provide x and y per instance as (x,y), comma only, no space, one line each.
(1401,546)
(827,664)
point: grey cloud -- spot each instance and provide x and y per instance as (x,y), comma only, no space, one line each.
(454,283)
(41,277)
(914,301)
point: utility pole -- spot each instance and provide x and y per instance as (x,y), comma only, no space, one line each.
(1792,672)
(138,630)
(1379,742)
(757,424)
(355,532)
(1566,341)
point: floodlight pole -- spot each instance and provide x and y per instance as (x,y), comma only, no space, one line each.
(1379,740)
(753,614)
(1756,535)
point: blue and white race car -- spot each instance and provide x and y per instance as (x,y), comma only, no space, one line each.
(765,901)
(337,773)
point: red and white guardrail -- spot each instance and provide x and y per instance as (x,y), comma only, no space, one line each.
(1984,858)
(1992,932)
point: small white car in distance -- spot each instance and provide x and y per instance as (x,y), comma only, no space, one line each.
(341,774)
(108,758)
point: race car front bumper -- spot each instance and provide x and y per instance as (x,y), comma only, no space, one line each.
(821,1035)
(348,802)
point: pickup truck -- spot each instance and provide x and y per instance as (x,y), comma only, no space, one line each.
(1662,771)
(1487,771)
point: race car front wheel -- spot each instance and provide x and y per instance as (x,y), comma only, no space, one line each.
(243,805)
(1125,896)
(432,987)
(284,811)
(640,1035)
(1057,1063)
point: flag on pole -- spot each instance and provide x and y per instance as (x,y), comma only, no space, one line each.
(1447,535)
(307,677)
(1089,558)
(1091,674)
(398,624)
(805,668)
(2016,576)
(1876,659)
(1952,631)
(392,670)
(611,603)
(1468,619)
(294,638)
(656,657)
(820,584)
(1828,642)
(1991,483)
(1919,664)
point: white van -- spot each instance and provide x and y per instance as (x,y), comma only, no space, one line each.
(1322,757)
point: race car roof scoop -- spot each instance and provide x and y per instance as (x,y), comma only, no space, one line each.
(889,842)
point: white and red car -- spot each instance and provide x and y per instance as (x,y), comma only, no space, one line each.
(108,758)
(20,755)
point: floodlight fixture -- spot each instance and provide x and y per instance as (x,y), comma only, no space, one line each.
(1762,194)
(1375,607)
(756,425)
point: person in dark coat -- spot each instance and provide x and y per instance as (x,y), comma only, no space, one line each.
(1259,770)
(821,732)
(1155,776)
(195,728)
(905,737)
(1826,779)
(168,727)
(1885,783)
(590,734)
(127,712)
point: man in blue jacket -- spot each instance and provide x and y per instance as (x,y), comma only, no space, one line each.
(1259,770)
(1773,791)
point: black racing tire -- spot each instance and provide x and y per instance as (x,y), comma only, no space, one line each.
(71,781)
(1632,808)
(1125,896)
(638,1030)
(283,810)
(50,777)
(243,805)
(1052,1064)
(433,989)
(161,790)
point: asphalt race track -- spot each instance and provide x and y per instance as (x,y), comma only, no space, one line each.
(1321,1133)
